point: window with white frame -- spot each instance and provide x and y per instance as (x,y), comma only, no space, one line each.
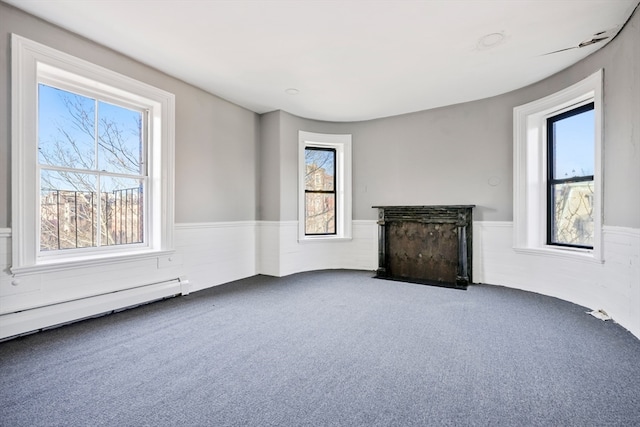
(324,201)
(92,161)
(558,173)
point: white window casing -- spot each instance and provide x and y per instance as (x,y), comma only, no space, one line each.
(34,63)
(342,144)
(530,162)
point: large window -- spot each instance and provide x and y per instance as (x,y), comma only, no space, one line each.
(325,186)
(92,162)
(558,173)
(570,165)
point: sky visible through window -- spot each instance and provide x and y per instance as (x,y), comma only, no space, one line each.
(321,159)
(67,131)
(574,146)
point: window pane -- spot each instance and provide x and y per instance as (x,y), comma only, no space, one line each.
(573,145)
(66,130)
(320,213)
(320,169)
(72,208)
(67,210)
(122,216)
(120,147)
(573,214)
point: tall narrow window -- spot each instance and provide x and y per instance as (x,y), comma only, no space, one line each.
(324,187)
(320,191)
(92,171)
(570,183)
(557,177)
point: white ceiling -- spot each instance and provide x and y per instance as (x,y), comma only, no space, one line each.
(349,59)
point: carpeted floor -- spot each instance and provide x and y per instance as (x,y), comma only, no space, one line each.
(328,348)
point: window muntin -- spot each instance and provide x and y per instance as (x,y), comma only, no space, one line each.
(92,175)
(320,191)
(570,177)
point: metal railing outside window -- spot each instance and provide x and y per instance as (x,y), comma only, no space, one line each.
(69,218)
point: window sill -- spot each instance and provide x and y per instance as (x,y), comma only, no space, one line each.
(575,254)
(50,266)
(324,239)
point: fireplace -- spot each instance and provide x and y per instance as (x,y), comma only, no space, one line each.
(426,244)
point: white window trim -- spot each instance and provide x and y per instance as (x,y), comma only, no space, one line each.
(342,144)
(29,60)
(530,178)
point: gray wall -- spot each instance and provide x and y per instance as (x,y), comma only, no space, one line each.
(441,156)
(216,141)
(463,154)
(622,126)
(269,167)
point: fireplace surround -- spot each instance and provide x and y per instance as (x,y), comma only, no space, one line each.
(426,244)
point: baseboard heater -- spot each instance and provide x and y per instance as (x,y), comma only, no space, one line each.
(53,315)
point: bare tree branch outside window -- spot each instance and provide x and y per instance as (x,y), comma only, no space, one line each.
(92,171)
(320,191)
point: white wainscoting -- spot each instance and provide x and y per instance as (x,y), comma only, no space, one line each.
(210,254)
(214,253)
(281,254)
(39,300)
(613,286)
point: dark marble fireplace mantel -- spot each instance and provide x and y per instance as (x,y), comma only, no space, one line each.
(426,244)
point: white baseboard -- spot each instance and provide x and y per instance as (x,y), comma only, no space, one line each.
(34,319)
(43,299)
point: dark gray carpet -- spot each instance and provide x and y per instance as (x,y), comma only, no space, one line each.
(326,348)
